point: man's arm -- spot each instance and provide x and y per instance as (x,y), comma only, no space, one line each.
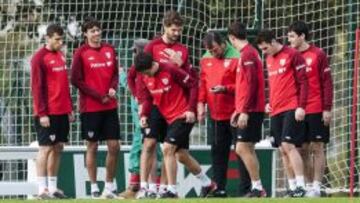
(326,82)
(39,85)
(299,65)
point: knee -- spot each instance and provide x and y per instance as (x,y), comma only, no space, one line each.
(317,148)
(149,146)
(58,148)
(113,147)
(181,157)
(169,150)
(92,147)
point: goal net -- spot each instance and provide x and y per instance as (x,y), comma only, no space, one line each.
(22,29)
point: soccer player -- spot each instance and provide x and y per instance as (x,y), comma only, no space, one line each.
(52,109)
(165,87)
(288,97)
(318,108)
(164,49)
(217,90)
(249,104)
(95,74)
(135,152)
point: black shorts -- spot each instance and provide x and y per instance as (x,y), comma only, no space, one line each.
(284,128)
(57,132)
(178,133)
(101,125)
(315,130)
(252,133)
(157,126)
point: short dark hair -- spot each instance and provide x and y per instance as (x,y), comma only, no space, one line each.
(238,30)
(299,27)
(173,18)
(143,61)
(266,36)
(90,22)
(54,28)
(211,37)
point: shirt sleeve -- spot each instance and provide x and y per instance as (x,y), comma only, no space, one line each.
(77,78)
(249,69)
(115,78)
(326,82)
(39,85)
(131,80)
(144,97)
(299,65)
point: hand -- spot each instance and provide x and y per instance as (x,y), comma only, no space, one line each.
(233,119)
(174,57)
(268,108)
(105,99)
(112,93)
(218,89)
(45,121)
(143,122)
(326,116)
(71,117)
(242,120)
(189,117)
(299,114)
(201,112)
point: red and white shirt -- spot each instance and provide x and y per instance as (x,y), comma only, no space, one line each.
(94,72)
(320,82)
(287,80)
(166,90)
(49,83)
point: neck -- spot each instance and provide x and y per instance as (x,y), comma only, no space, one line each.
(278,47)
(47,46)
(241,44)
(166,40)
(94,45)
(304,46)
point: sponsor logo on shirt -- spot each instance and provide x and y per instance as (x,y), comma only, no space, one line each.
(160,90)
(109,63)
(91,58)
(58,68)
(52,62)
(97,65)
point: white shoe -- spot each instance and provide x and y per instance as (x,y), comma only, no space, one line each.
(107,194)
(313,193)
(141,194)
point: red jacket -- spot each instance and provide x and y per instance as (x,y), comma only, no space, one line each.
(94,72)
(250,84)
(287,80)
(215,71)
(320,82)
(49,83)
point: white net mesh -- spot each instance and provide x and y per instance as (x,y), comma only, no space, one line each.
(23,23)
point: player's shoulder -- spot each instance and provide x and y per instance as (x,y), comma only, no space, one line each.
(82,48)
(39,54)
(317,50)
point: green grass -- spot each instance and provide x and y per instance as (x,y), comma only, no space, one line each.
(228,200)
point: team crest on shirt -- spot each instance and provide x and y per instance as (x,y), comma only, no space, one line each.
(90,134)
(165,81)
(227,63)
(309,61)
(108,55)
(52,137)
(282,62)
(52,62)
